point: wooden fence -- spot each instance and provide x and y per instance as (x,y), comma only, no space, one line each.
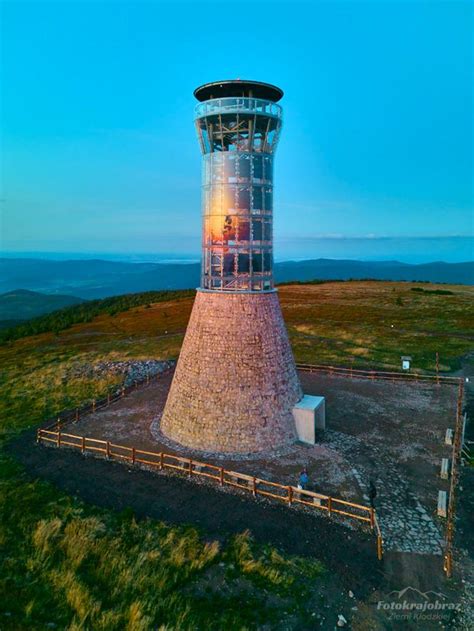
(52,433)
(373,375)
(456,457)
(457,442)
(286,494)
(115,394)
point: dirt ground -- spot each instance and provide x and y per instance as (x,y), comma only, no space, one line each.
(391,433)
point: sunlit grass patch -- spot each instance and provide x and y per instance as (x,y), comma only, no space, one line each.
(268,566)
(106,571)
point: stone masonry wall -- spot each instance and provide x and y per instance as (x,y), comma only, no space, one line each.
(235,382)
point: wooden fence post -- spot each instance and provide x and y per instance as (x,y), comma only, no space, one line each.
(58,440)
(77,414)
(254,486)
(133,455)
(83,444)
(448,566)
(107,446)
(221,476)
(379,547)
(93,405)
(329,505)
(147,378)
(372,518)
(190,467)
(161,461)
(123,391)
(290,495)
(38,433)
(108,398)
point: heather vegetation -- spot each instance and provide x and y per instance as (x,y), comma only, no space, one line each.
(87,311)
(68,563)
(371,324)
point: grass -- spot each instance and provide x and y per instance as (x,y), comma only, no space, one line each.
(371,324)
(86,312)
(68,564)
(79,567)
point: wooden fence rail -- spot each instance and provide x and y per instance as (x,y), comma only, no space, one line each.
(456,458)
(52,433)
(257,486)
(385,375)
(378,533)
(117,393)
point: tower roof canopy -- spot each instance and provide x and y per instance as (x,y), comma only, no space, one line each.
(238,87)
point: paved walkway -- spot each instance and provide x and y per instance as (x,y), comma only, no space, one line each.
(405,523)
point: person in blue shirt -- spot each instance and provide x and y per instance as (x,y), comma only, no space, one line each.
(304,479)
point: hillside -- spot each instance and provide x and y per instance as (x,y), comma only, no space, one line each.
(85,312)
(91,279)
(23,304)
(362,322)
(61,552)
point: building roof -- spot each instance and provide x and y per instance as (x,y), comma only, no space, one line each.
(238,87)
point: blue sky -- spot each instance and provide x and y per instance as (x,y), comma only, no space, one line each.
(100,153)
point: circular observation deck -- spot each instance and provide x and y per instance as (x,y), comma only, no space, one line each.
(238,88)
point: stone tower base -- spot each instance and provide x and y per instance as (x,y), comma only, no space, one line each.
(235,382)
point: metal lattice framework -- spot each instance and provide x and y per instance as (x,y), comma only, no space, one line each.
(238,137)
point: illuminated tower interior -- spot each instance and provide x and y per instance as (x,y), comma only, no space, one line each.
(238,125)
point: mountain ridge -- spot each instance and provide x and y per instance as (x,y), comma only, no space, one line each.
(97,278)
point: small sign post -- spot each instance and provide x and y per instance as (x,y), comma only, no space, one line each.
(406,362)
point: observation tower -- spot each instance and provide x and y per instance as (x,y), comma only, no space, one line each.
(235,383)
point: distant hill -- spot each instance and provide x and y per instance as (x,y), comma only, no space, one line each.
(327,269)
(95,278)
(22,304)
(86,311)
(91,279)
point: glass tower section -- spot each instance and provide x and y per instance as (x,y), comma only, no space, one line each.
(238,138)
